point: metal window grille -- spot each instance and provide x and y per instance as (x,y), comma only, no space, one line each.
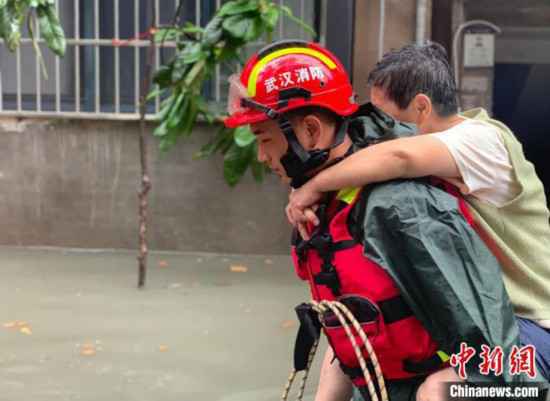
(100,75)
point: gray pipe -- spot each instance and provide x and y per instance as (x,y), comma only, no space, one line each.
(381,28)
(421,11)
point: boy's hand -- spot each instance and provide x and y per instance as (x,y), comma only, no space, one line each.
(301,208)
(433,388)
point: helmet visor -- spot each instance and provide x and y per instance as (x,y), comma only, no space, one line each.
(237,92)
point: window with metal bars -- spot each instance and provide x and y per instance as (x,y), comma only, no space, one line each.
(100,75)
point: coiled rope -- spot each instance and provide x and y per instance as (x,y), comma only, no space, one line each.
(342,313)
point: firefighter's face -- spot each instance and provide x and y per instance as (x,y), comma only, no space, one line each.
(311,132)
(272,146)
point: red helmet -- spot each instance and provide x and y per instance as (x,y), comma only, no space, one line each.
(288,75)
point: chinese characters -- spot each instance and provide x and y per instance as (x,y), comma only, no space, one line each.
(521,360)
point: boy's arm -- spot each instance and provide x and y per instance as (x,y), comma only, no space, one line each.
(416,156)
(334,385)
(411,157)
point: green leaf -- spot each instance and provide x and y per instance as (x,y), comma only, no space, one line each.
(196,74)
(288,12)
(221,142)
(51,29)
(189,64)
(180,68)
(153,94)
(270,17)
(237,26)
(198,53)
(226,53)
(167,142)
(238,7)
(3,22)
(254,30)
(163,76)
(258,170)
(235,163)
(165,34)
(204,109)
(208,116)
(243,136)
(3,3)
(165,107)
(192,53)
(161,130)
(190,118)
(11,18)
(192,29)
(213,32)
(178,111)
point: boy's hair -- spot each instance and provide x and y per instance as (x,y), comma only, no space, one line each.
(415,69)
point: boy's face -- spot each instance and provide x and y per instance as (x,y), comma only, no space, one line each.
(379,98)
(419,110)
(272,146)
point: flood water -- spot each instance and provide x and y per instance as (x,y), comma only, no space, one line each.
(207,327)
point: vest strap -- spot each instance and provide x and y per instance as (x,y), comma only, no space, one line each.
(365,311)
(341,245)
(428,365)
(329,276)
(355,373)
(420,368)
(394,309)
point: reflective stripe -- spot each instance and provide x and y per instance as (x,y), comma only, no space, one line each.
(347,195)
(444,357)
(283,52)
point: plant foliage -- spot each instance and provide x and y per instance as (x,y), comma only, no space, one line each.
(14,13)
(198,52)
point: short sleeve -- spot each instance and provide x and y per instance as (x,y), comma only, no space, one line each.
(483,161)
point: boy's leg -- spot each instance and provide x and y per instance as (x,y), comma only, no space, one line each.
(334,385)
(530,333)
(398,390)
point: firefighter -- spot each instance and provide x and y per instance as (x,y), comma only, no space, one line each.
(479,155)
(403,255)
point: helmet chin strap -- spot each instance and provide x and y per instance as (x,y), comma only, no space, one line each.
(297,161)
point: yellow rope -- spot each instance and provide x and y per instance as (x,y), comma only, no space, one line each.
(306,373)
(293,373)
(358,353)
(289,382)
(340,310)
(370,350)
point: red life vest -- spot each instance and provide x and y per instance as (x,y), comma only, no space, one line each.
(334,265)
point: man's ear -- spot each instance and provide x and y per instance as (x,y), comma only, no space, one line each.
(423,107)
(313,130)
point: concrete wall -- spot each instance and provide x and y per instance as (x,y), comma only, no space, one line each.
(400,30)
(74,184)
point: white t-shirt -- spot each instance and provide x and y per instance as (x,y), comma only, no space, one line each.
(483,162)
